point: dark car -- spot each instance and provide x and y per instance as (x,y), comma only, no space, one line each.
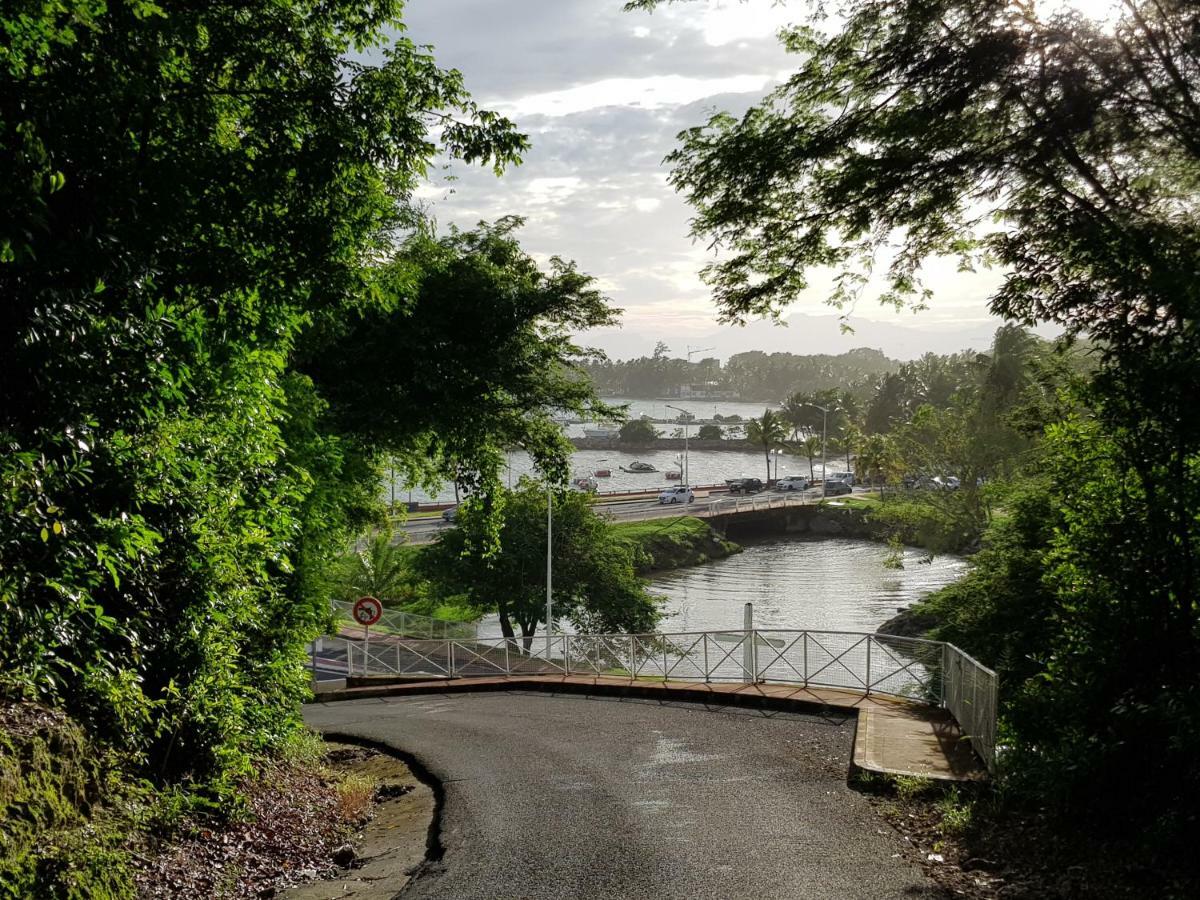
(836,488)
(744,485)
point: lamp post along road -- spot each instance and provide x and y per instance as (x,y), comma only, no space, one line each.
(824,422)
(686,480)
(549,565)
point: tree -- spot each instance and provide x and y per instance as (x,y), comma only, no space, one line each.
(379,569)
(638,431)
(810,447)
(710,433)
(594,585)
(929,122)
(204,214)
(768,432)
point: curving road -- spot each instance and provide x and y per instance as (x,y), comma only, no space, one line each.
(556,796)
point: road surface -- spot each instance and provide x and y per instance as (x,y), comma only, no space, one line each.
(426,528)
(556,796)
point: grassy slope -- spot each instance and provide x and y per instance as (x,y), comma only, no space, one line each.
(672,543)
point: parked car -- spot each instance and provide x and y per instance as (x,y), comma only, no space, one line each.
(680,493)
(792,483)
(744,485)
(847,477)
(449,515)
(834,488)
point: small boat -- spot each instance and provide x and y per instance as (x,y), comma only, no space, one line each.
(584,483)
(674,476)
(602,473)
(638,468)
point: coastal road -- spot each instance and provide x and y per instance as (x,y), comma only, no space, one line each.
(558,796)
(425,529)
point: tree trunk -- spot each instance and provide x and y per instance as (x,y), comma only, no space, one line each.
(507,628)
(528,629)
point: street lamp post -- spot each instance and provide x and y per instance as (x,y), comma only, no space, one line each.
(549,565)
(824,422)
(686,479)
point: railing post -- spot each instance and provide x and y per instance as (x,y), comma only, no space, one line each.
(806,659)
(566,656)
(945,672)
(754,656)
(450,654)
(313,645)
(507,664)
(397,658)
(664,661)
(868,665)
(632,658)
(704,642)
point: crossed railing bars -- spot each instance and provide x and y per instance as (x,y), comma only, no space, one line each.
(930,672)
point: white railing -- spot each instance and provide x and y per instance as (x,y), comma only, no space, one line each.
(924,671)
(760,501)
(395,622)
(971,693)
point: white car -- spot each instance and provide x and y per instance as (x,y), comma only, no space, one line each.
(450,515)
(681,493)
(846,478)
(792,483)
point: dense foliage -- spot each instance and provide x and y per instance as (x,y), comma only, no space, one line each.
(1065,150)
(220,314)
(753,375)
(593,583)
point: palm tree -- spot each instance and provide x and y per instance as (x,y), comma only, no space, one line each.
(380,570)
(768,432)
(811,446)
(851,438)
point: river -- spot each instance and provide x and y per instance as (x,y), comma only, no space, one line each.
(827,584)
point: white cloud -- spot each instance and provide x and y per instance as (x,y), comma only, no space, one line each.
(654,92)
(647,204)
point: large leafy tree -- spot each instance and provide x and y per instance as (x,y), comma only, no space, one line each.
(1067,151)
(205,212)
(593,582)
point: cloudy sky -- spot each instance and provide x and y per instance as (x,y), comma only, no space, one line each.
(602,94)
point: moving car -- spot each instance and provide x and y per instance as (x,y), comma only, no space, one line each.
(792,483)
(680,493)
(847,477)
(449,515)
(744,485)
(834,488)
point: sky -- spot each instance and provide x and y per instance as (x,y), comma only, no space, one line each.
(602,95)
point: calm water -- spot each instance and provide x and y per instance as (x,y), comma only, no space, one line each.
(835,584)
(705,466)
(831,584)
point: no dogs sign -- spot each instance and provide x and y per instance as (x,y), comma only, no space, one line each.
(367,611)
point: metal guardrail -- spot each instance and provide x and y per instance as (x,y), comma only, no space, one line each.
(924,671)
(761,501)
(410,625)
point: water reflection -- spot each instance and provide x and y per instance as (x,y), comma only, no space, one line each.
(830,584)
(834,584)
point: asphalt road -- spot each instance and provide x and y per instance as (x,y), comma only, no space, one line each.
(425,529)
(556,796)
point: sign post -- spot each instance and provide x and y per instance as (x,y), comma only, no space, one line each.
(367,611)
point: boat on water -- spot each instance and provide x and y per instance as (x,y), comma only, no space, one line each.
(638,468)
(602,473)
(674,476)
(584,483)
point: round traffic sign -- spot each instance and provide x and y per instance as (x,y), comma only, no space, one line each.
(367,610)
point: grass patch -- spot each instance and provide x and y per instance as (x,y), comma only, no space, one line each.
(672,543)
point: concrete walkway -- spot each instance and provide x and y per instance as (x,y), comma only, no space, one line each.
(893,736)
